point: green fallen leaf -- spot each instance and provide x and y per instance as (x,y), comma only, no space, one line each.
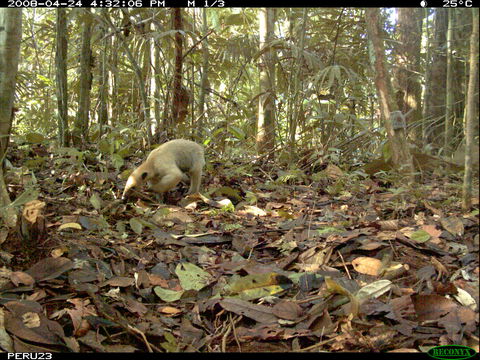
(96,201)
(167,295)
(136,225)
(256,286)
(420,236)
(117,161)
(192,277)
(373,290)
(170,345)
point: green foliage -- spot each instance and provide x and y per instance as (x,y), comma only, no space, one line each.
(34,138)
(35,163)
(69,156)
(250,197)
(225,209)
(292,176)
(117,161)
(328,76)
(136,225)
(323,86)
(233,47)
(386,151)
(30,194)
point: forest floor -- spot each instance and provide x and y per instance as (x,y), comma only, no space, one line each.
(343,263)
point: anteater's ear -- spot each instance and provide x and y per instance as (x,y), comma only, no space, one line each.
(144,175)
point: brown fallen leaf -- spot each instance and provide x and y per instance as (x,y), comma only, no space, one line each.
(26,321)
(259,313)
(120,281)
(50,268)
(169,310)
(388,224)
(135,307)
(432,230)
(367,265)
(82,309)
(432,306)
(19,277)
(453,225)
(287,310)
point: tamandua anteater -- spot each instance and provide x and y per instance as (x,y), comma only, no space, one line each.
(167,165)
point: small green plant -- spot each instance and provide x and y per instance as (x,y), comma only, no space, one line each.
(292,176)
(228,208)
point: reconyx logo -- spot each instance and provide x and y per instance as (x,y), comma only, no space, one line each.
(447,352)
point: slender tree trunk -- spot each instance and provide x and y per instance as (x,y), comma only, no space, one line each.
(114,104)
(449,96)
(146,67)
(82,120)
(426,90)
(10,38)
(156,93)
(394,125)
(470,108)
(435,96)
(266,116)
(408,65)
(104,81)
(204,78)
(294,108)
(178,72)
(61,78)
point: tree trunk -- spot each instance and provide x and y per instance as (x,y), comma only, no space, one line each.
(394,124)
(409,94)
(266,116)
(114,83)
(435,90)
(104,81)
(157,87)
(294,109)
(178,72)
(61,78)
(426,91)
(81,122)
(470,108)
(449,96)
(204,78)
(10,38)
(146,67)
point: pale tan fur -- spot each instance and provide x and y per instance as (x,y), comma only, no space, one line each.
(167,165)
